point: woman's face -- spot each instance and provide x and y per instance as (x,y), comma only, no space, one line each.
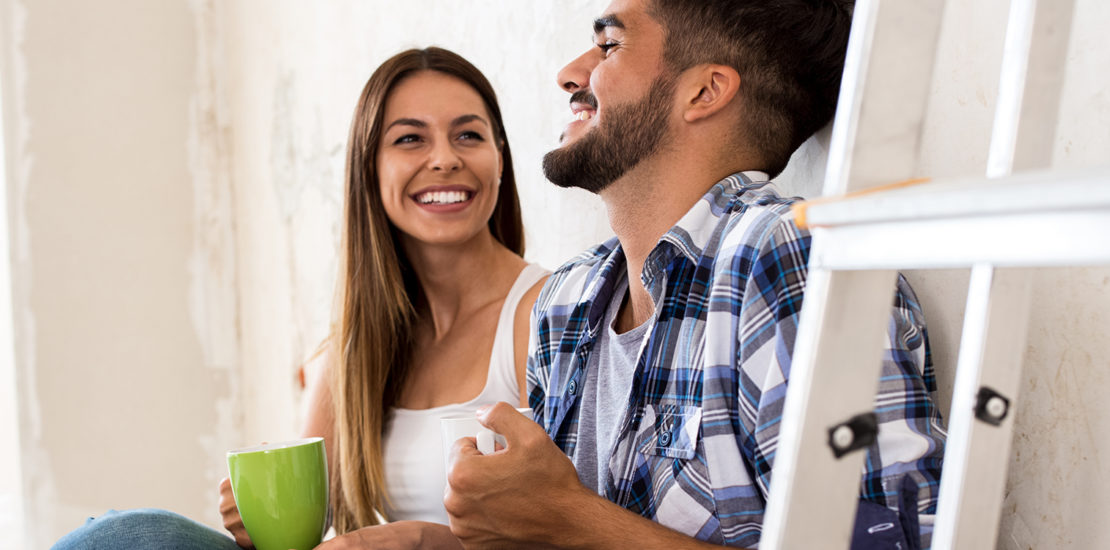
(439,165)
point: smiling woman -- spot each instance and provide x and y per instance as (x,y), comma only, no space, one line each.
(440,162)
(433,306)
(432,320)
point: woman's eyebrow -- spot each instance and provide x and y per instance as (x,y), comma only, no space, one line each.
(407,122)
(468,118)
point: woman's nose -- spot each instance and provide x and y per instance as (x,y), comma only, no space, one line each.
(576,74)
(444,158)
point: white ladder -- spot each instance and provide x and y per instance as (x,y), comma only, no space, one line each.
(1013,219)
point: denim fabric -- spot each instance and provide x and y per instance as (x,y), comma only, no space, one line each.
(144,528)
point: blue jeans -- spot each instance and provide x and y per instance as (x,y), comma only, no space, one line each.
(144,528)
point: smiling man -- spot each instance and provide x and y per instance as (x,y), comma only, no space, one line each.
(659,360)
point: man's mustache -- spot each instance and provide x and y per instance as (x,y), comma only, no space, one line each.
(584,96)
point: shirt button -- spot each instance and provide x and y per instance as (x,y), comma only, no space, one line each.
(664,439)
(572,388)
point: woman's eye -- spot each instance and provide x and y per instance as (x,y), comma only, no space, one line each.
(471,135)
(407,138)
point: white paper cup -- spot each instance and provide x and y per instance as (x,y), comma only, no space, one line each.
(454,428)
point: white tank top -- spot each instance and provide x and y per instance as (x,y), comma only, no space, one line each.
(415,477)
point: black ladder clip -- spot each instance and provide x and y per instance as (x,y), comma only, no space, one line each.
(990,406)
(858,432)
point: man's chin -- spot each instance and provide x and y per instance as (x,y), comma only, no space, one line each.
(555,167)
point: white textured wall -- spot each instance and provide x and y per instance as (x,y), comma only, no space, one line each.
(11,492)
(125,398)
(174,182)
(1058,494)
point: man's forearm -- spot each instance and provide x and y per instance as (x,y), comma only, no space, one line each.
(597,523)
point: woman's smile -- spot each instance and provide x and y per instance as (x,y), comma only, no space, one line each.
(444,199)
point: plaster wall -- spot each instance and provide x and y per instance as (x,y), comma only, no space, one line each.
(123,396)
(174,182)
(11,493)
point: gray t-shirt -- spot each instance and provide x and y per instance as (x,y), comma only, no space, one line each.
(605,394)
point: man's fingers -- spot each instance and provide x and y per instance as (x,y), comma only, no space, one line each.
(504,419)
(464,447)
(463,450)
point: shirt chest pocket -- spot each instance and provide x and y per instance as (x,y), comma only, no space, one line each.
(669,430)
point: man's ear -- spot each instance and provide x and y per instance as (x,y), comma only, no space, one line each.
(709,89)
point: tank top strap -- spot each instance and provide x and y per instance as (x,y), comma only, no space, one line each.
(502,364)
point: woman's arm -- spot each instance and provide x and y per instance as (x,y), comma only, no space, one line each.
(521,330)
(318,409)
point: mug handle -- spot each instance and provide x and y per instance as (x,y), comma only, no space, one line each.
(485,441)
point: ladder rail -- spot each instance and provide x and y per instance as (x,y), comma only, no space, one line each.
(856,250)
(876,139)
(809,481)
(988,377)
(878,124)
(988,372)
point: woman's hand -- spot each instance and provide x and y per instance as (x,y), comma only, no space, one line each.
(230,513)
(399,535)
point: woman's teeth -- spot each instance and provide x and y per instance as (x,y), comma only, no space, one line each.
(442,197)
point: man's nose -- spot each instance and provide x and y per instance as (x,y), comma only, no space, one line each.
(576,74)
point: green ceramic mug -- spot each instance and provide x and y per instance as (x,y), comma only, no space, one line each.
(281,490)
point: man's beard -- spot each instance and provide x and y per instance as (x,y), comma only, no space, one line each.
(628,135)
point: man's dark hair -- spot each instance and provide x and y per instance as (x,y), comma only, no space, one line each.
(789,53)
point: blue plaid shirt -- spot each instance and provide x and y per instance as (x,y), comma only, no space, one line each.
(696,446)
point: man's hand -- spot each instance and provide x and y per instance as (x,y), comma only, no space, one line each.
(524,495)
(399,535)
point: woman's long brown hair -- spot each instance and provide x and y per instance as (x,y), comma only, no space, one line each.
(377,293)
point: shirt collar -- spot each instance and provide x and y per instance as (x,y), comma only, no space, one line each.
(603,281)
(691,234)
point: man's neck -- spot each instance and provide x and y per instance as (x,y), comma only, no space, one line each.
(646,203)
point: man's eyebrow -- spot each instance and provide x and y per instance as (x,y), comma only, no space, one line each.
(606,21)
(407,122)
